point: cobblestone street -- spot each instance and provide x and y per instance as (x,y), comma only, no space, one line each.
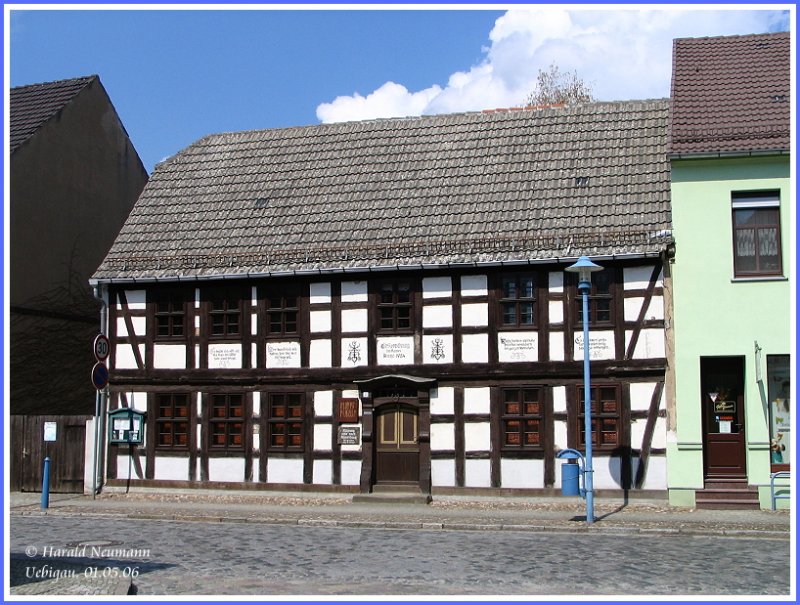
(271,559)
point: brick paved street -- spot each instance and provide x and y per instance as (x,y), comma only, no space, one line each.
(271,559)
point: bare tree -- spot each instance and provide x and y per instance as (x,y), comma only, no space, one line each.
(556,88)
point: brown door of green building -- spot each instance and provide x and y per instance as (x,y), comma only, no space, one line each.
(722,380)
(397,444)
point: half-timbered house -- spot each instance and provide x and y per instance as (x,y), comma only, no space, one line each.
(376,304)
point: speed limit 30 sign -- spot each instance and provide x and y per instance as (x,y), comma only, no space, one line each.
(101,347)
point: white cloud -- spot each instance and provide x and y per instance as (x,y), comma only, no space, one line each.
(622,54)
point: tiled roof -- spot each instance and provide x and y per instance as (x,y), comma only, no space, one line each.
(34,104)
(730,94)
(464,188)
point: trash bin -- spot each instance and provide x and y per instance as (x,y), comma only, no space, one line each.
(570,479)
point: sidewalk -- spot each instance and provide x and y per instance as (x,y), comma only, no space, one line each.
(653,517)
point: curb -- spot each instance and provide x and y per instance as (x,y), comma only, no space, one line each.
(432,525)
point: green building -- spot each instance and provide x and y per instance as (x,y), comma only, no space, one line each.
(729,147)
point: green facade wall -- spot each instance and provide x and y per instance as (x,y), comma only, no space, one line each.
(717,315)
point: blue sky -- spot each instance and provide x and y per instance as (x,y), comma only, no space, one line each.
(177,75)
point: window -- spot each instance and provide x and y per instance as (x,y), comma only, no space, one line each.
(394,306)
(282,314)
(225,314)
(756,234)
(518,300)
(522,419)
(226,422)
(600,299)
(172,422)
(170,314)
(285,421)
(780,410)
(606,412)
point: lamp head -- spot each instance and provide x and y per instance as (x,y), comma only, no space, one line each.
(584,268)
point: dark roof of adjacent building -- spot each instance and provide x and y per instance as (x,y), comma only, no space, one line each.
(731,94)
(531,184)
(34,104)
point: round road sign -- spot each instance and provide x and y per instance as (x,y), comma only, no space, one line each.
(99,375)
(101,347)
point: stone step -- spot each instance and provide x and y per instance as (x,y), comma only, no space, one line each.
(401,498)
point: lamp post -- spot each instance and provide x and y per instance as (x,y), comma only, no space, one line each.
(584,268)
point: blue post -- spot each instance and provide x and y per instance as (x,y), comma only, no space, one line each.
(46,483)
(584,287)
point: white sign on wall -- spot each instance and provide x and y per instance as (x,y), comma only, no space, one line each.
(601,345)
(224,356)
(283,354)
(522,346)
(396,351)
(437,349)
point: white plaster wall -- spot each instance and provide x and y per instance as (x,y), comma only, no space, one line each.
(320,353)
(353,394)
(555,310)
(256,472)
(167,469)
(437,287)
(521,473)
(256,442)
(556,345)
(169,357)
(559,435)
(445,352)
(437,316)
(320,321)
(363,352)
(124,358)
(139,326)
(225,469)
(351,472)
(633,306)
(355,320)
(137,300)
(136,400)
(197,356)
(559,399)
(477,400)
(640,395)
(555,281)
(659,434)
(354,291)
(650,344)
(656,476)
(284,470)
(477,473)
(256,404)
(323,437)
(475,348)
(323,403)
(323,472)
(638,278)
(443,473)
(473,285)
(443,437)
(320,293)
(637,432)
(475,314)
(88,457)
(477,437)
(442,400)
(253,324)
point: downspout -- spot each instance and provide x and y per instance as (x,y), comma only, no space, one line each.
(101,396)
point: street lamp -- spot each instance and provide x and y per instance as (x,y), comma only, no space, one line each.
(584,268)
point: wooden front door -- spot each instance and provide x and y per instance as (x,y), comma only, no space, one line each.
(397,444)
(722,380)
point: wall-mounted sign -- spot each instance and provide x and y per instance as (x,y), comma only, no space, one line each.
(225,356)
(349,435)
(517,347)
(50,429)
(125,426)
(100,375)
(601,345)
(396,351)
(283,354)
(437,349)
(347,410)
(722,407)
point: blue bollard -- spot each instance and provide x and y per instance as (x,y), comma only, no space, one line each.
(46,484)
